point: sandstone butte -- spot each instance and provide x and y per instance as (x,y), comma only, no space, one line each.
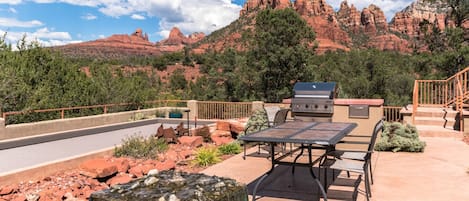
(345,29)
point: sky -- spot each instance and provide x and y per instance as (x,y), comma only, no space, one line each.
(59,22)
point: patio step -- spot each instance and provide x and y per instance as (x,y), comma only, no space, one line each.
(435,121)
(437,131)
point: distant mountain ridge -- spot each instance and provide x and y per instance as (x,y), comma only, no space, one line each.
(346,29)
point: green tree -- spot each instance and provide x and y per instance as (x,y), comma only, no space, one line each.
(281,48)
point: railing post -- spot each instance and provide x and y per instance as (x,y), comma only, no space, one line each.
(105,109)
(415,101)
(62,113)
(2,128)
(193,107)
(257,105)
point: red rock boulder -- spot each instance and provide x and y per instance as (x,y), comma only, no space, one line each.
(98,168)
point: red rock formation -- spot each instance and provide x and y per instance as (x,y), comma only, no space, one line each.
(177,40)
(390,42)
(114,47)
(253,5)
(418,14)
(321,17)
(349,17)
(378,19)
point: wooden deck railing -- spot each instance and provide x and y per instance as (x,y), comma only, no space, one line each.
(392,113)
(223,110)
(453,91)
(66,112)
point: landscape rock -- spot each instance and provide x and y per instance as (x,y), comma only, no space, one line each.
(136,171)
(223,125)
(220,140)
(5,190)
(122,164)
(165,165)
(237,127)
(119,179)
(221,133)
(191,141)
(98,168)
(173,185)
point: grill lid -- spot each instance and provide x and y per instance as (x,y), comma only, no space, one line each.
(314,90)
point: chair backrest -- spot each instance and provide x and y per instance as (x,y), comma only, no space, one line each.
(271,111)
(378,127)
(280,117)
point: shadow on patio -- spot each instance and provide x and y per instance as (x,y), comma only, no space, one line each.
(440,173)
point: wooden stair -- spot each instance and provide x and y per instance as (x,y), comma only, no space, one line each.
(436,122)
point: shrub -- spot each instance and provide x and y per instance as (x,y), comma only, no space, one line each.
(399,137)
(230,149)
(256,122)
(206,156)
(141,147)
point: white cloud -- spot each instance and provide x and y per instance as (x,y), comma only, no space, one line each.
(44,36)
(89,16)
(11,2)
(137,17)
(389,7)
(11,22)
(193,15)
(12,10)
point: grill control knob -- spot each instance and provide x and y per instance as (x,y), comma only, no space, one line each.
(325,106)
(316,106)
(306,106)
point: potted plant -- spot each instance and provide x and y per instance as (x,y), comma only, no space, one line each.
(175,113)
(160,114)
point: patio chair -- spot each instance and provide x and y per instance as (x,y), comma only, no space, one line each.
(278,118)
(353,160)
(344,189)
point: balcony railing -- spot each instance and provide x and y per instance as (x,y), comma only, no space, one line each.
(392,113)
(205,110)
(79,111)
(453,91)
(223,110)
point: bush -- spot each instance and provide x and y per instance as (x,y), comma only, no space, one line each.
(206,156)
(398,137)
(141,147)
(256,122)
(230,149)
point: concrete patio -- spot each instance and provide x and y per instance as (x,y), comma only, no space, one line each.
(440,173)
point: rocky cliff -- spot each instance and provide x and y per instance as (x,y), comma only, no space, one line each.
(113,47)
(119,46)
(348,27)
(177,40)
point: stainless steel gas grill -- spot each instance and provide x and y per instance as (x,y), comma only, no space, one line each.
(313,101)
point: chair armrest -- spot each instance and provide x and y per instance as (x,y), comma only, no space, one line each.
(358,135)
(352,142)
(351,150)
(259,125)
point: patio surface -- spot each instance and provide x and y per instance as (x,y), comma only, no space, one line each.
(440,173)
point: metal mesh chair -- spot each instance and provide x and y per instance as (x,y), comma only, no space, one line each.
(357,161)
(278,118)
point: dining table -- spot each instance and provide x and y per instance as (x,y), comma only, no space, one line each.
(308,136)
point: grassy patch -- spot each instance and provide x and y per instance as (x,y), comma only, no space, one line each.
(141,147)
(206,156)
(230,149)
